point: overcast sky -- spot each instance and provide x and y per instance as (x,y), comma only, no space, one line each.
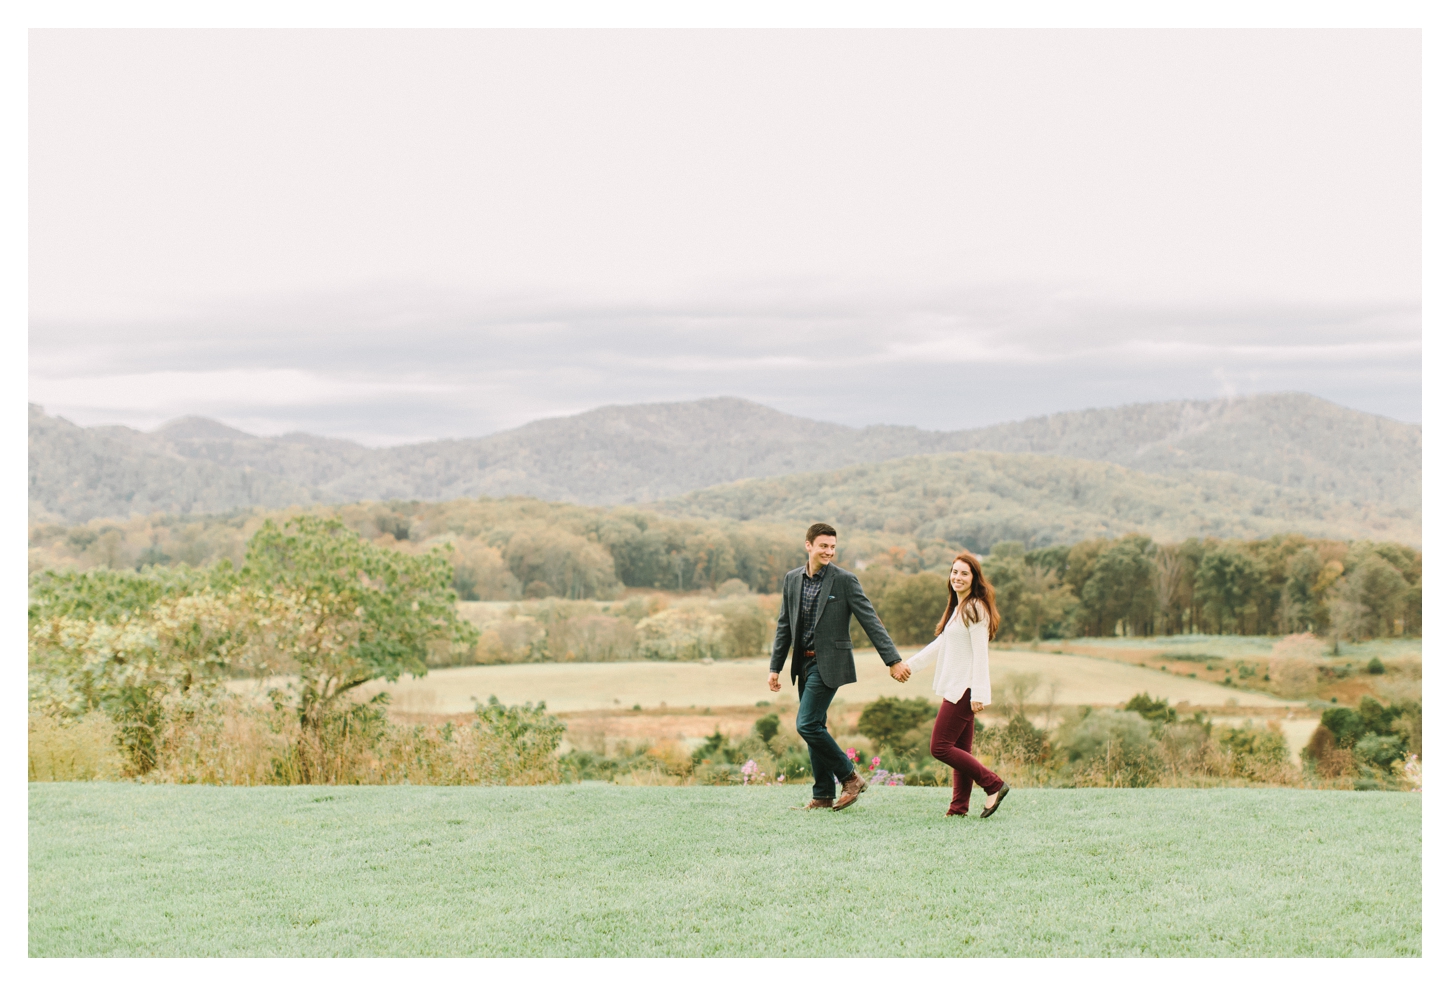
(400,235)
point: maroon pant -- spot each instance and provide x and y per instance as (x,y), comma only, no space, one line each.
(951,743)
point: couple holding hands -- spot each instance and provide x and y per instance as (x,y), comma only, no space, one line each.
(817,603)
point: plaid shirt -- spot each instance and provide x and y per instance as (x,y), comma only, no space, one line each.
(810,592)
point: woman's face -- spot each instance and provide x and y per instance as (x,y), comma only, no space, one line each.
(961,577)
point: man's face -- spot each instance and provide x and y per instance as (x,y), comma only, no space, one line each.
(821,551)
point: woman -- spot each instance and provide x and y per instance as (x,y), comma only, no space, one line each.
(960,653)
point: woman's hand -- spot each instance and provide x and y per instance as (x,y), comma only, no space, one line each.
(977,707)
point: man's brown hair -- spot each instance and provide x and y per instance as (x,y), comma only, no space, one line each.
(816,530)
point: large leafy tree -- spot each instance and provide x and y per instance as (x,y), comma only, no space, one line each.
(1226,584)
(1121,587)
(314,601)
(340,612)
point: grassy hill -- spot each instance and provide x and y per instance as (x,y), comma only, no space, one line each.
(646,452)
(979,498)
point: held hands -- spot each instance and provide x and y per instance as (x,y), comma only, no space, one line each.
(900,671)
(775,681)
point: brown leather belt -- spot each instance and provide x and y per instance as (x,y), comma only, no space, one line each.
(810,653)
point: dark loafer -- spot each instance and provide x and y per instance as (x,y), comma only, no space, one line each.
(998,803)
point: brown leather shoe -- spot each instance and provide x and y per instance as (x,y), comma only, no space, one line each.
(850,791)
(814,803)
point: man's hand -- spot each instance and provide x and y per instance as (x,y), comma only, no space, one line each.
(775,681)
(977,707)
(900,671)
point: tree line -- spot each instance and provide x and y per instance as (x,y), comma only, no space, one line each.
(1133,586)
(519,548)
(1283,584)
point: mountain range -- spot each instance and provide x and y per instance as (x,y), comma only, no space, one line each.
(651,452)
(976,499)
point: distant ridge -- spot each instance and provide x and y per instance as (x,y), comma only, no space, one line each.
(979,498)
(646,452)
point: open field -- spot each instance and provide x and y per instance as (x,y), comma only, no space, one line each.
(687,701)
(575,687)
(1244,660)
(1225,646)
(126,869)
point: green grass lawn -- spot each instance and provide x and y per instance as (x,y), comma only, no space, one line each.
(127,869)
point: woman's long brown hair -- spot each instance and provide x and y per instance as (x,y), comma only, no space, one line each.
(981,590)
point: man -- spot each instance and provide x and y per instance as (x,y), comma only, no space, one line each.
(817,603)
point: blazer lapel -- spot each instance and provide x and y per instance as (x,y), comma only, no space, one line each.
(794,593)
(825,594)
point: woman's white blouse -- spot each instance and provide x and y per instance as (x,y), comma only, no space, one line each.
(960,653)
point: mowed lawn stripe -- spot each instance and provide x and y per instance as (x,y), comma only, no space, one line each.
(128,869)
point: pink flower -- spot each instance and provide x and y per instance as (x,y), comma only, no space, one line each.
(875,761)
(851,752)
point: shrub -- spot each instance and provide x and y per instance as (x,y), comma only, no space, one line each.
(1409,725)
(1258,753)
(1336,763)
(1293,677)
(1375,666)
(732,587)
(1321,742)
(1185,745)
(716,748)
(747,626)
(930,774)
(510,641)
(1375,717)
(686,633)
(128,667)
(1345,724)
(887,720)
(1111,748)
(1154,710)
(1381,751)
(591,637)
(523,740)
(1017,742)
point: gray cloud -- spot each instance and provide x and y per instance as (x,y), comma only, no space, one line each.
(400,235)
(410,364)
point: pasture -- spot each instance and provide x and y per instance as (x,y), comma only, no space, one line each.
(128,869)
(1066,679)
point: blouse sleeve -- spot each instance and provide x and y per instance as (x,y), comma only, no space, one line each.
(981,674)
(926,655)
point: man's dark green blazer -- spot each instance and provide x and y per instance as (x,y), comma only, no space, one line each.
(841,598)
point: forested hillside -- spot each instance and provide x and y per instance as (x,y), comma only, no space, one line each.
(78,473)
(519,548)
(979,498)
(640,453)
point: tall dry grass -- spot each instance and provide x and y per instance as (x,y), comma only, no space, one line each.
(228,740)
(83,749)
